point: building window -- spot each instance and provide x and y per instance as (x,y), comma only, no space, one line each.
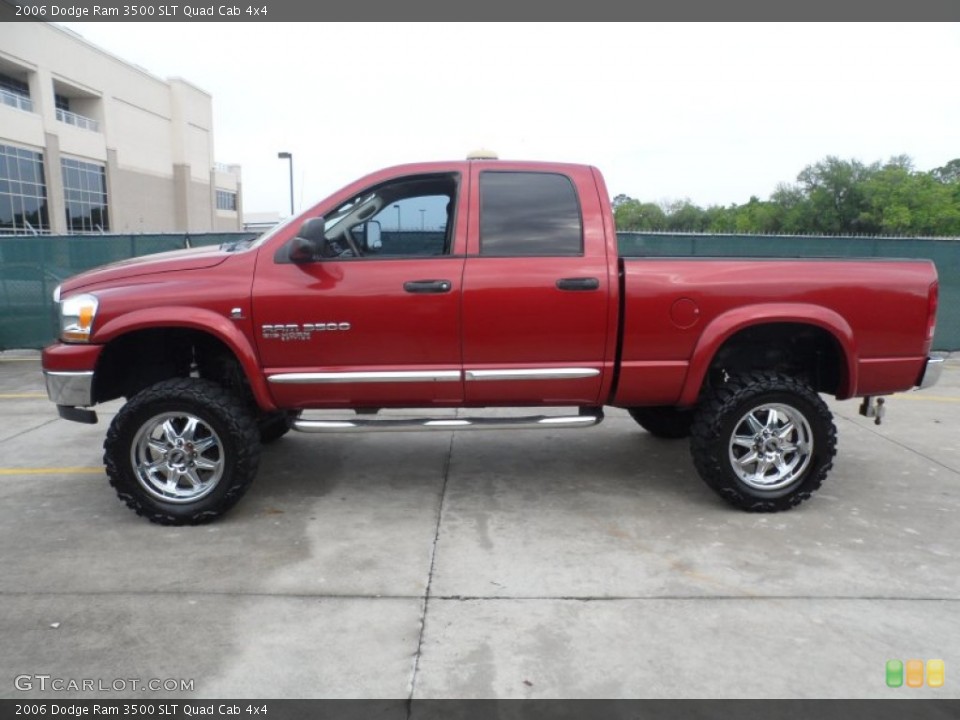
(85,195)
(226,200)
(15,93)
(23,192)
(11,84)
(62,102)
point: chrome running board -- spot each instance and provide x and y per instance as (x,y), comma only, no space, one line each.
(534,422)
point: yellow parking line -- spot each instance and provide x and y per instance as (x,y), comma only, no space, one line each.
(21,396)
(53,471)
(931,398)
(22,359)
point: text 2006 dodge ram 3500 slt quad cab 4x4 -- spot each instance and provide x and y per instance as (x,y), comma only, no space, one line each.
(520,300)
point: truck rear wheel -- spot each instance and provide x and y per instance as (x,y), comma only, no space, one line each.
(763,441)
(182,452)
(669,423)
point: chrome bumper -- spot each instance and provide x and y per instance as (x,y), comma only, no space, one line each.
(73,389)
(932,370)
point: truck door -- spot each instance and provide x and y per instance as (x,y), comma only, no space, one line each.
(377,322)
(536,290)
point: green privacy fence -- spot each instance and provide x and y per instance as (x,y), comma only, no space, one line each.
(30,267)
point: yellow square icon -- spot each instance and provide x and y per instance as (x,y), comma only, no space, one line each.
(935,673)
(914,673)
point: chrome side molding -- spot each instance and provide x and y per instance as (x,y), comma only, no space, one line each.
(532,422)
(391,376)
(398,376)
(531,374)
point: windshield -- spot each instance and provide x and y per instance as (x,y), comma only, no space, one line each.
(351,207)
(273,231)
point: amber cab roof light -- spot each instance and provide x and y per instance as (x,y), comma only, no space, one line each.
(482,155)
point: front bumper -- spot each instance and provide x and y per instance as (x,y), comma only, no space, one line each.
(68,370)
(932,370)
(74,389)
(71,391)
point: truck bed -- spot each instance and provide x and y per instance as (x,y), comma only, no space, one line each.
(677,312)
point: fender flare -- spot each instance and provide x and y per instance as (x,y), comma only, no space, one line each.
(205,321)
(728,324)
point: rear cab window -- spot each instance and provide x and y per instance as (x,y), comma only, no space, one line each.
(524,214)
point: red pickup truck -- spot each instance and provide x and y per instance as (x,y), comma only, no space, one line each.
(507,291)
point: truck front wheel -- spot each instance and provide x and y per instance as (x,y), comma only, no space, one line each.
(182,452)
(763,441)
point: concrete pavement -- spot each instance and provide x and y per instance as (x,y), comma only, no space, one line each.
(524,564)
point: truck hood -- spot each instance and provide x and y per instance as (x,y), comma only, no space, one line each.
(166,262)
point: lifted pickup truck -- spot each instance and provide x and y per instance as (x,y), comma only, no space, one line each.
(511,293)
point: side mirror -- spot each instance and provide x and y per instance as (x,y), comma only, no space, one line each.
(307,245)
(372,236)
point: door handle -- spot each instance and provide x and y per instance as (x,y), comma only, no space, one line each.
(428,286)
(580,283)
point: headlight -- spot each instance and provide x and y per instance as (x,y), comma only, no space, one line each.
(77,314)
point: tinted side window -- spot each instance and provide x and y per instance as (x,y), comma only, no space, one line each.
(527,214)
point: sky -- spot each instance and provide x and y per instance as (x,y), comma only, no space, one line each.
(713,113)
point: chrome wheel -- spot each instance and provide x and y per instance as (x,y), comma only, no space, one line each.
(771,447)
(763,441)
(182,451)
(177,457)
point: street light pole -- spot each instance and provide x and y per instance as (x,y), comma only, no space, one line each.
(422,211)
(288,156)
(397,208)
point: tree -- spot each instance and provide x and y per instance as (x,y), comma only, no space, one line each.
(831,197)
(684,216)
(633,215)
(834,189)
(794,208)
(949,173)
(721,219)
(901,201)
(759,217)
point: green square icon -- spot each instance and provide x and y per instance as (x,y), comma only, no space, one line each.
(894,673)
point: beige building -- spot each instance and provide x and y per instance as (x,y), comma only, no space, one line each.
(90,143)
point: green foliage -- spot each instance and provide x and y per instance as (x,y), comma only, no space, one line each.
(830,197)
(949,173)
(632,214)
